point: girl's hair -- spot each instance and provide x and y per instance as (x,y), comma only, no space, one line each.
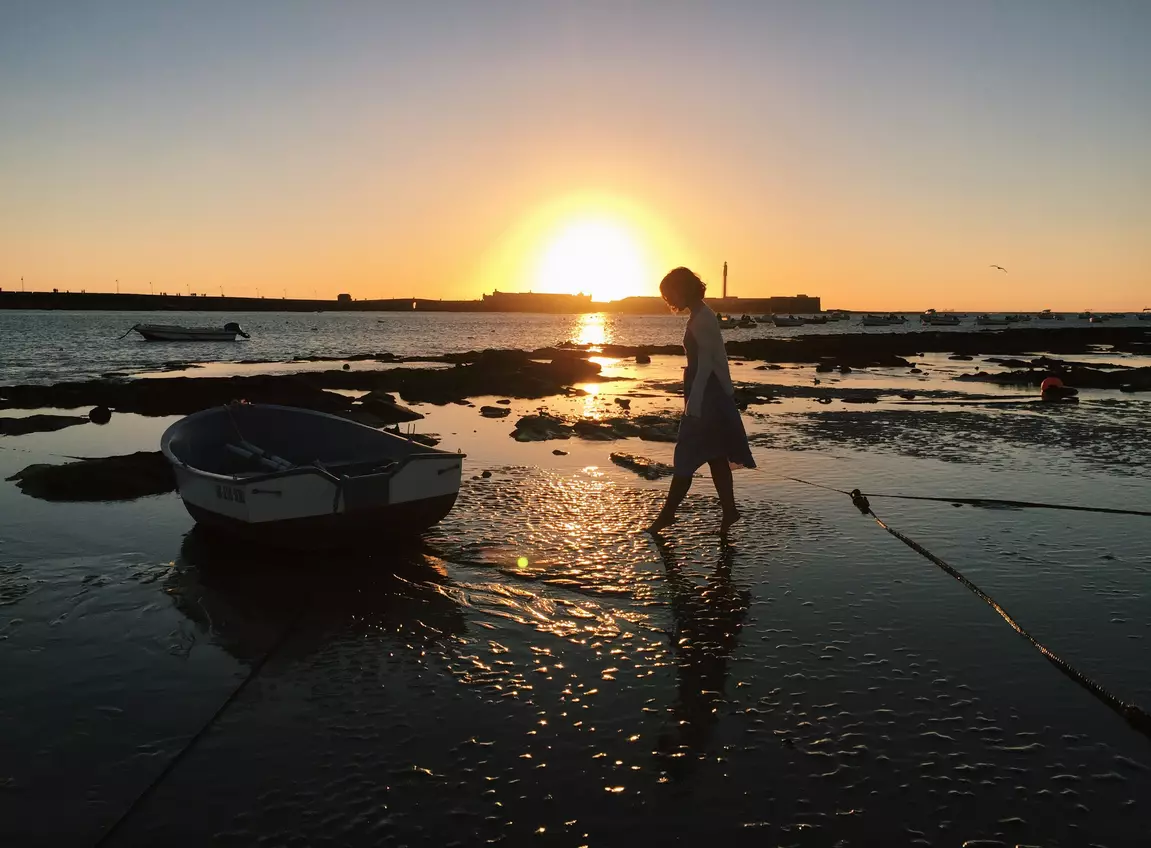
(684,282)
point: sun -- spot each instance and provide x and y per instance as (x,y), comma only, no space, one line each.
(597,256)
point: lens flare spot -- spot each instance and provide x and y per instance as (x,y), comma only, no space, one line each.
(522,562)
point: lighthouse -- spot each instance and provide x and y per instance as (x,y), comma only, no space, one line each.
(725,281)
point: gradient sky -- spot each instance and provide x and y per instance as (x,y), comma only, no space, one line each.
(880,154)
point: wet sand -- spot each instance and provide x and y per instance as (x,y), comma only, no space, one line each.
(535,669)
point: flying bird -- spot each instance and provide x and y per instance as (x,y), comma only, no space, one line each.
(1000,267)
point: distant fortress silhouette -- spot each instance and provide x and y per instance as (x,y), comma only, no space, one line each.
(495,302)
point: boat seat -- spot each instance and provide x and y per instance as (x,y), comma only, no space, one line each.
(357,467)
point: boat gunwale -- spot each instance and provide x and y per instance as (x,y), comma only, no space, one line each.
(401,462)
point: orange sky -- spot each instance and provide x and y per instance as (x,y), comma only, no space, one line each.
(882,161)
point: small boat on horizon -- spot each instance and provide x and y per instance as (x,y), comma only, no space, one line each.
(888,320)
(173,333)
(292,477)
(746,322)
(939,319)
(1046,315)
(993,320)
(1145,315)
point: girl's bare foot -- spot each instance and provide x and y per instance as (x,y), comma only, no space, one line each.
(661,521)
(729,518)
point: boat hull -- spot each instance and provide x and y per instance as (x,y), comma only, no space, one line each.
(151,334)
(358,529)
(170,333)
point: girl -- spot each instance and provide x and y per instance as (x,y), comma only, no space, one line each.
(711,430)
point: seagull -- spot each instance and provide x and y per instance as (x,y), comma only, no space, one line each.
(1000,267)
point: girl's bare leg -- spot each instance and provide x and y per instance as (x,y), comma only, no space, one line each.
(725,488)
(675,496)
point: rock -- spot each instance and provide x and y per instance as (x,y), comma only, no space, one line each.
(559,452)
(541,428)
(907,395)
(961,357)
(649,469)
(824,368)
(347,367)
(385,408)
(844,369)
(860,399)
(38,424)
(916,371)
(110,478)
(771,366)
(485,474)
(642,359)
(824,400)
(624,402)
(504,401)
(100,415)
(495,411)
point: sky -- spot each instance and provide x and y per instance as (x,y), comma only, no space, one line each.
(880,154)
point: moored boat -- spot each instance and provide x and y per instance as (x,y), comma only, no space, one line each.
(726,322)
(787,321)
(871,320)
(1145,315)
(294,477)
(746,321)
(993,320)
(173,333)
(939,319)
(1045,315)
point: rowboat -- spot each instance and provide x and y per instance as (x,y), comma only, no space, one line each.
(726,322)
(297,478)
(746,322)
(787,321)
(172,333)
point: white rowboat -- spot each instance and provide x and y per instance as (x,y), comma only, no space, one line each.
(297,478)
(172,333)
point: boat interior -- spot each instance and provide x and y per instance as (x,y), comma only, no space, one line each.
(250,440)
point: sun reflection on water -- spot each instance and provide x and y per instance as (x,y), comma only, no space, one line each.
(592,329)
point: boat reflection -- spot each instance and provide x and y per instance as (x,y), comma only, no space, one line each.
(707,618)
(247,598)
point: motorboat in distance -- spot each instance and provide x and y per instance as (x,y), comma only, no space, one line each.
(939,319)
(993,320)
(298,478)
(173,333)
(787,321)
(887,320)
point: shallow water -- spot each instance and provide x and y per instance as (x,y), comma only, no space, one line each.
(536,668)
(38,346)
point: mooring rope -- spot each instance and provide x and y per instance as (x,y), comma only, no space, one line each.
(253,672)
(1010,503)
(1135,716)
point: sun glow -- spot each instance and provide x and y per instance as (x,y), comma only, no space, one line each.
(594,242)
(596,256)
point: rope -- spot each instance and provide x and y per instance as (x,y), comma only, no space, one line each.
(256,668)
(1020,504)
(1134,715)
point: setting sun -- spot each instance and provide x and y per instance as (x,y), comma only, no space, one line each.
(599,257)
